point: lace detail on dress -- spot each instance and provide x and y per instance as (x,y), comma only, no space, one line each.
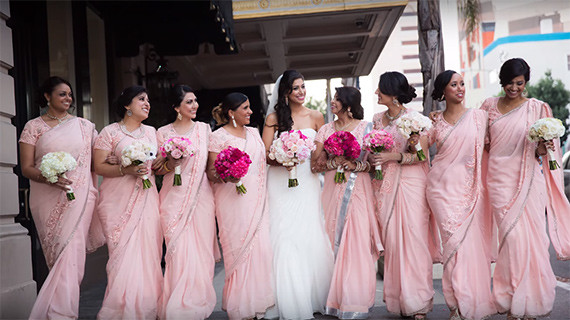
(33,130)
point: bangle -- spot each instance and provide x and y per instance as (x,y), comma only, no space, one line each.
(331,164)
(165,166)
(121,170)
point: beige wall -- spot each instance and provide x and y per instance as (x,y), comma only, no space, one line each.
(17,288)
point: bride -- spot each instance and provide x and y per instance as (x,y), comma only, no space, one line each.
(303,259)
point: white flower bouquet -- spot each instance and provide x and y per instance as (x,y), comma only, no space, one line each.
(414,123)
(137,153)
(290,149)
(547,129)
(56,164)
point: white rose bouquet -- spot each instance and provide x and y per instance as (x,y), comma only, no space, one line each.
(547,129)
(290,149)
(56,164)
(137,153)
(414,123)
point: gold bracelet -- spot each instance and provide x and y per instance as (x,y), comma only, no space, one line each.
(165,167)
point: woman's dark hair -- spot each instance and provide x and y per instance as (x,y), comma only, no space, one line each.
(394,83)
(47,88)
(231,102)
(125,99)
(350,97)
(513,68)
(282,110)
(177,94)
(441,81)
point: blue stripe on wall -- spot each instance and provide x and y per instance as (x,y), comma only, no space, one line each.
(527,38)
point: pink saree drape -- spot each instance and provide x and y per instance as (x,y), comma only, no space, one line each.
(62,225)
(408,230)
(244,231)
(456,196)
(130,218)
(520,194)
(189,226)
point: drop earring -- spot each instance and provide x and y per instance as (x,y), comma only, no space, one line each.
(396,103)
(179,116)
(129,113)
(234,122)
(349,113)
(525,92)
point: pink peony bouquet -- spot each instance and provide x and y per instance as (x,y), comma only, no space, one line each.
(377,141)
(177,148)
(414,123)
(290,149)
(138,153)
(342,143)
(547,129)
(232,162)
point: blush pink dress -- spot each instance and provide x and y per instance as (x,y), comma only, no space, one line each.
(62,225)
(243,224)
(189,227)
(130,218)
(521,191)
(408,229)
(456,196)
(352,229)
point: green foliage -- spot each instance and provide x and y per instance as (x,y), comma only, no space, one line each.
(470,10)
(555,94)
(318,105)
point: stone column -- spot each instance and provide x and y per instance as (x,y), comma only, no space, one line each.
(17,288)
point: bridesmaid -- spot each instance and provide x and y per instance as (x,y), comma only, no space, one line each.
(520,190)
(349,213)
(242,218)
(62,225)
(408,234)
(302,255)
(187,216)
(456,197)
(129,215)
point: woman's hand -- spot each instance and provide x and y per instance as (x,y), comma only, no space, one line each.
(173,163)
(61,183)
(231,179)
(543,145)
(345,163)
(137,171)
(414,139)
(112,159)
(376,159)
(289,168)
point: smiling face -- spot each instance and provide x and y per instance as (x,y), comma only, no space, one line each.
(384,98)
(515,87)
(336,105)
(241,114)
(60,98)
(139,106)
(454,92)
(298,91)
(189,106)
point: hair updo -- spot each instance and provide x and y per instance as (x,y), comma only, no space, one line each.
(47,88)
(395,84)
(350,97)
(125,99)
(441,81)
(513,68)
(231,102)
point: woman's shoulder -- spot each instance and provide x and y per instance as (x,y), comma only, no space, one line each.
(489,102)
(147,127)
(378,116)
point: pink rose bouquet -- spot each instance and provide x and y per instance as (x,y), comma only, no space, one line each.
(342,143)
(290,149)
(414,123)
(377,141)
(177,148)
(232,162)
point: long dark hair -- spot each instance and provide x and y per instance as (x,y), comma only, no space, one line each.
(231,102)
(441,81)
(351,97)
(47,88)
(282,110)
(394,83)
(125,99)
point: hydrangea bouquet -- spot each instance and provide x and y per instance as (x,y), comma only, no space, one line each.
(137,153)
(342,143)
(414,123)
(232,162)
(377,141)
(56,164)
(290,149)
(547,129)
(177,148)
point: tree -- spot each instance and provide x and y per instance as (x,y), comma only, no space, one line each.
(318,105)
(555,94)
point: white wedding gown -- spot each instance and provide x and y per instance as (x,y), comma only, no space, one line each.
(302,256)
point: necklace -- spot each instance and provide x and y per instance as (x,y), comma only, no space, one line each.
(128,133)
(390,118)
(59,120)
(343,127)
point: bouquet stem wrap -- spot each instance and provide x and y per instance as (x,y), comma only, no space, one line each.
(552,163)
(69,193)
(293,182)
(240,188)
(339,176)
(177,177)
(378,175)
(420,152)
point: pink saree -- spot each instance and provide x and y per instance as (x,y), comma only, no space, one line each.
(353,231)
(130,218)
(189,226)
(244,231)
(408,230)
(520,194)
(62,225)
(456,196)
